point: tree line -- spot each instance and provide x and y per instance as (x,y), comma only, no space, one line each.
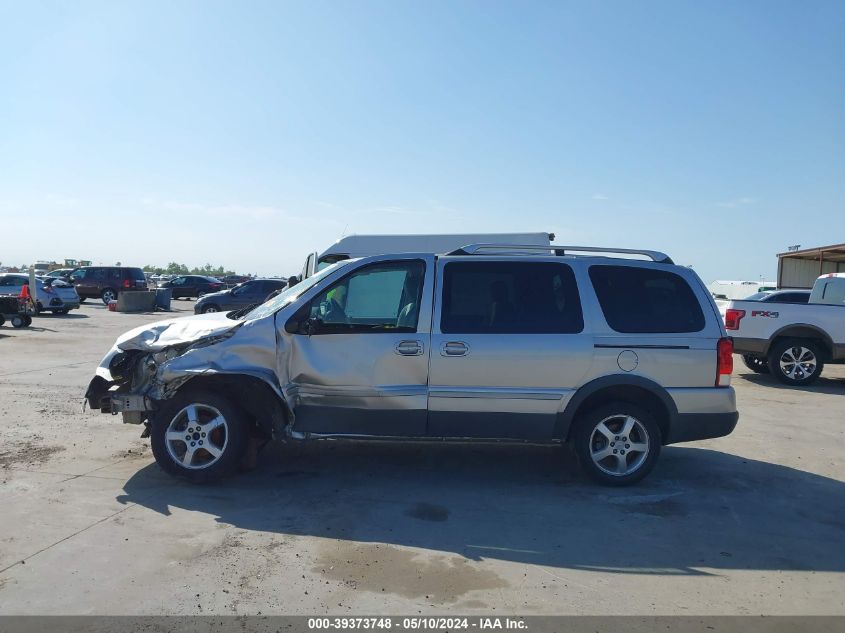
(174,268)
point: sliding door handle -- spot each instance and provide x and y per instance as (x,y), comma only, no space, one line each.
(409,348)
(454,348)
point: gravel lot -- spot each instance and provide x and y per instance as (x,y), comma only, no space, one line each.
(749,524)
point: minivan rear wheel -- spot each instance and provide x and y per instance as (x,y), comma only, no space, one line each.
(109,294)
(617,443)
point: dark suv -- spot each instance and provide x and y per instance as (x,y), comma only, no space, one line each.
(105,282)
(193,286)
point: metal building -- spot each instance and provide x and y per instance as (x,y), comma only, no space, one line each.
(799,269)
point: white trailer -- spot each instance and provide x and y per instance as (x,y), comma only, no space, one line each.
(353,246)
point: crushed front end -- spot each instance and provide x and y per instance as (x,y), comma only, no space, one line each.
(137,373)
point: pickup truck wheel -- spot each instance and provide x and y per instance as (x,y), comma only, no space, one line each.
(199,435)
(796,361)
(617,444)
(756,364)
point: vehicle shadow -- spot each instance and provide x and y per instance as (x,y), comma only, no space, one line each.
(822,385)
(700,510)
(69,316)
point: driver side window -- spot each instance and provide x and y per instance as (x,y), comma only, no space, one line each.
(383,297)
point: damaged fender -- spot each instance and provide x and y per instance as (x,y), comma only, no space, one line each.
(168,354)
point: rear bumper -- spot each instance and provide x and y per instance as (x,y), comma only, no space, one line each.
(755,346)
(688,427)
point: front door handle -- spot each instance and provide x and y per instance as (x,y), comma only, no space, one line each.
(454,348)
(409,348)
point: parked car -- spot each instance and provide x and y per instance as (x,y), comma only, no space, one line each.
(245,294)
(781,296)
(192,286)
(795,295)
(51,295)
(234,280)
(616,355)
(792,341)
(61,273)
(106,282)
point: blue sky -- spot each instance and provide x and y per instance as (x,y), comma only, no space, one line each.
(248,134)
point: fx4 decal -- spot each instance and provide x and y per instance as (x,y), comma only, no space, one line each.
(765,313)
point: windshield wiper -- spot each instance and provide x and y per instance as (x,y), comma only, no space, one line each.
(242,312)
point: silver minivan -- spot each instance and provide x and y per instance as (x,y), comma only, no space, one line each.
(617,355)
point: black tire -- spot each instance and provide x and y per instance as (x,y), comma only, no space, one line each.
(2,320)
(211,307)
(61,311)
(39,308)
(806,371)
(27,320)
(82,299)
(588,440)
(18,321)
(234,441)
(757,364)
(108,294)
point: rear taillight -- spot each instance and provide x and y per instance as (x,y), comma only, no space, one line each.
(732,318)
(127,283)
(724,362)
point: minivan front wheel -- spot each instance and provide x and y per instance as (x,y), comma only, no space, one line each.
(617,443)
(199,435)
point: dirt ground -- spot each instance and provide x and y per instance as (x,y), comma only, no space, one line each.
(753,523)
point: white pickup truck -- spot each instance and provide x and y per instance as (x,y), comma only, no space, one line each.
(789,340)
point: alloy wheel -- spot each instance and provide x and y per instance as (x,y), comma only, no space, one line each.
(798,362)
(619,445)
(197,436)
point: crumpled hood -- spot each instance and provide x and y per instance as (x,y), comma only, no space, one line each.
(156,336)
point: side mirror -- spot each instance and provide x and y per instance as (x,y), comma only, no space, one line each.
(309,326)
(301,322)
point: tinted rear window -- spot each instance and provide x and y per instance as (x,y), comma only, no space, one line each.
(646,300)
(510,298)
(135,273)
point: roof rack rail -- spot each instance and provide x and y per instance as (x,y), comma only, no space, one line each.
(559,250)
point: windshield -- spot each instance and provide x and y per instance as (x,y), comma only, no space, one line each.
(291,294)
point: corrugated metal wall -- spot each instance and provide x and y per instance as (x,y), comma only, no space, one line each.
(802,273)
